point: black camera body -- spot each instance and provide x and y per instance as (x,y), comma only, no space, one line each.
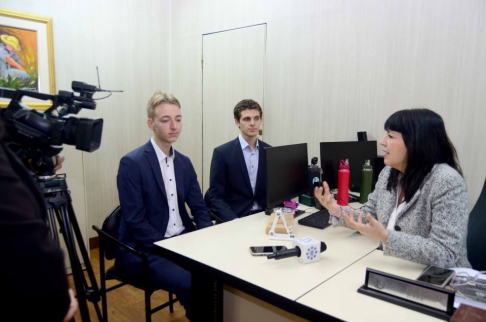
(37,136)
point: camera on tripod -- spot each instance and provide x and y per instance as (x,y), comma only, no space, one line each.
(38,136)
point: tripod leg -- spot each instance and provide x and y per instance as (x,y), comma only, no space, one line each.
(94,294)
(52,225)
(62,217)
(104,303)
(58,200)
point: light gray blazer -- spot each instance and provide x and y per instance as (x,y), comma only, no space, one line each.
(433,225)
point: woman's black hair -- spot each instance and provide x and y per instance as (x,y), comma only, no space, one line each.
(427,144)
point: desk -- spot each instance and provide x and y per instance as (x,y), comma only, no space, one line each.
(222,252)
(339,297)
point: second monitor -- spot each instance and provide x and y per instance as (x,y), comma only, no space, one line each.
(286,173)
(356,152)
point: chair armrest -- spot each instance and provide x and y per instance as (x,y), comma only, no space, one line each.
(213,216)
(103,234)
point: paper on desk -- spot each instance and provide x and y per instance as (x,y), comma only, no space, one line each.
(458,299)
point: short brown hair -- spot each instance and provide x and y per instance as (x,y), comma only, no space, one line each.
(246,105)
(158,98)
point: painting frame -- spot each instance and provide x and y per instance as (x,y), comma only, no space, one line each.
(44,29)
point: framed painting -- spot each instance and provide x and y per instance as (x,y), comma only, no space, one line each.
(26,56)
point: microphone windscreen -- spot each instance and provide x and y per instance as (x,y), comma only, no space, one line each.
(323,247)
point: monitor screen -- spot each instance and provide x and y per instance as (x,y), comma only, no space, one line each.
(286,173)
(356,152)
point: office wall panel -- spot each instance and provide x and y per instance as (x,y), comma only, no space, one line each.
(337,67)
(230,74)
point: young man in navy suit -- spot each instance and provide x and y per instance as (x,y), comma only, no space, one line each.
(238,168)
(154,184)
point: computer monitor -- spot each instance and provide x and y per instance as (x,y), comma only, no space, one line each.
(356,152)
(286,173)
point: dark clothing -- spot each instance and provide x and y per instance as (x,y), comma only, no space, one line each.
(145,210)
(230,194)
(33,279)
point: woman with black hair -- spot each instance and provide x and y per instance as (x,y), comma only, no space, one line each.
(419,208)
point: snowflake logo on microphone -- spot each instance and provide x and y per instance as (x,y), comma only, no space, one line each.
(311,253)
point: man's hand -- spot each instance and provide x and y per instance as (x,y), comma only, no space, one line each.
(59,161)
(73,306)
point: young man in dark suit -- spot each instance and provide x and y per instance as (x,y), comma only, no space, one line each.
(154,184)
(238,168)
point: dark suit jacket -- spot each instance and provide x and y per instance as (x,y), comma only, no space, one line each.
(143,200)
(33,276)
(230,195)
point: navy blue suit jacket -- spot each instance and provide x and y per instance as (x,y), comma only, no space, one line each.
(143,200)
(230,195)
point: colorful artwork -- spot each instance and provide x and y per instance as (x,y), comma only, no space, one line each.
(18,58)
(26,56)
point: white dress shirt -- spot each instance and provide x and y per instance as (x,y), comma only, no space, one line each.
(175,225)
(251,160)
(398,208)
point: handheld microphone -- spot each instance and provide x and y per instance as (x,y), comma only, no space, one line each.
(306,250)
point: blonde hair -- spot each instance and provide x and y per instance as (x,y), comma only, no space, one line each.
(158,98)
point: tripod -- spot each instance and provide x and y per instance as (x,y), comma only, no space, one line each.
(58,200)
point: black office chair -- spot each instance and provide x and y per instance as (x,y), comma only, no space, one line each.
(207,200)
(108,243)
(476,233)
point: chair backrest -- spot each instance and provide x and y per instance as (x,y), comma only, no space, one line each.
(476,233)
(111,226)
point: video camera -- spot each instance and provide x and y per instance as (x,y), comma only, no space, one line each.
(37,136)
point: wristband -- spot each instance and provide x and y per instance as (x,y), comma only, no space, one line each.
(337,214)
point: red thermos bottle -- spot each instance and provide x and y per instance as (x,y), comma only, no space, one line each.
(343,183)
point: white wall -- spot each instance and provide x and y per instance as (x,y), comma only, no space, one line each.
(332,68)
(337,67)
(130,42)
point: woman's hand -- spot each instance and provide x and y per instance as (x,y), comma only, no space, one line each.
(373,228)
(326,198)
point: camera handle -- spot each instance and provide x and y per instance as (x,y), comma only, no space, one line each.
(58,201)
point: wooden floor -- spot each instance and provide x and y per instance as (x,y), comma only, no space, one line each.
(127,303)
